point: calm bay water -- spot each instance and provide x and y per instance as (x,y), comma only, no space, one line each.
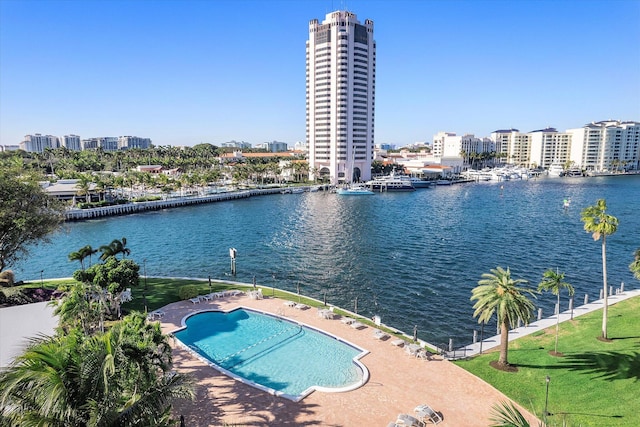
(412,258)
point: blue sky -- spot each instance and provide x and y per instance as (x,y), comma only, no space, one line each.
(185,72)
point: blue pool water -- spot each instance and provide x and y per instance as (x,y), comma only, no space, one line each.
(272,353)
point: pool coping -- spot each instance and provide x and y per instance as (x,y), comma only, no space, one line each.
(295,398)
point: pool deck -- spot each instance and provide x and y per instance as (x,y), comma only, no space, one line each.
(397,384)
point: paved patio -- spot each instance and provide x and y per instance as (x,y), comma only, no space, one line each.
(397,383)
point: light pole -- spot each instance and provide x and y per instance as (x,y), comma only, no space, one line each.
(41,282)
(546,400)
(144,294)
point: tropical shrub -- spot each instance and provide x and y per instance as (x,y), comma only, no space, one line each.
(121,377)
(188,292)
(7,278)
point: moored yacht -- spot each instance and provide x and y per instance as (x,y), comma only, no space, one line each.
(354,190)
(391,182)
(556,170)
(421,183)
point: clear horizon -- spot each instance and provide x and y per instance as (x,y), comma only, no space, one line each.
(189,72)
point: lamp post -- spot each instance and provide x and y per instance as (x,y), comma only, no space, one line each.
(546,399)
(144,294)
(41,280)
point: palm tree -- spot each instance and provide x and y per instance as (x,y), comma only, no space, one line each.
(499,293)
(505,414)
(81,254)
(600,224)
(83,187)
(122,377)
(635,265)
(77,256)
(79,309)
(554,281)
(114,248)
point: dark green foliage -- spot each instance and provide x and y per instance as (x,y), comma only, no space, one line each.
(188,291)
(118,378)
(27,214)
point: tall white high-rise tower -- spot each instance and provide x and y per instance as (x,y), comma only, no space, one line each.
(341,76)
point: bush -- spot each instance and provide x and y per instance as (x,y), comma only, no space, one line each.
(7,278)
(19,299)
(147,199)
(188,292)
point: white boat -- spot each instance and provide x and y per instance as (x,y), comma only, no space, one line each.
(354,190)
(421,183)
(556,170)
(391,182)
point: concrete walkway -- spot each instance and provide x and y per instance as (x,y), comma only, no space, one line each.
(20,323)
(542,324)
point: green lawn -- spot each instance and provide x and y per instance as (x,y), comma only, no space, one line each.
(161,291)
(595,384)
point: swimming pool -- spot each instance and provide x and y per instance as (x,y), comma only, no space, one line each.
(273,353)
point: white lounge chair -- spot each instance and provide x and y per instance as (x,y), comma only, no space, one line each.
(409,421)
(195,300)
(380,335)
(397,342)
(412,349)
(289,303)
(205,297)
(301,306)
(357,325)
(255,294)
(425,412)
(347,320)
(155,315)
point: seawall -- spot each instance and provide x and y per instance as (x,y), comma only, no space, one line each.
(137,207)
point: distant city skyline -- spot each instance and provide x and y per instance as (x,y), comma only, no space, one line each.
(188,72)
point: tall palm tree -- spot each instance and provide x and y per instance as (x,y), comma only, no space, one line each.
(83,187)
(114,248)
(499,293)
(635,265)
(81,254)
(554,281)
(600,224)
(77,256)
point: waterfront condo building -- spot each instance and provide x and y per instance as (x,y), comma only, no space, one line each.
(127,142)
(106,143)
(340,94)
(37,143)
(548,146)
(72,142)
(450,145)
(513,146)
(609,145)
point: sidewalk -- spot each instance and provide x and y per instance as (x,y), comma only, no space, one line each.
(494,341)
